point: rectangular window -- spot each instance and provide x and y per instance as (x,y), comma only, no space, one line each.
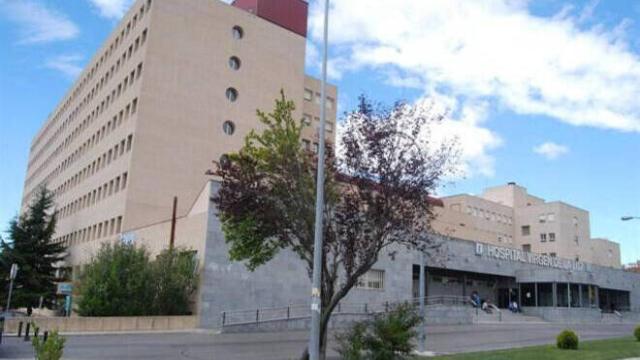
(542,218)
(308,95)
(329,103)
(552,236)
(543,237)
(551,217)
(372,279)
(552,254)
(306,144)
(526,230)
(329,126)
(318,98)
(306,119)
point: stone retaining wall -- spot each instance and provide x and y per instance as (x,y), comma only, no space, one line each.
(105,324)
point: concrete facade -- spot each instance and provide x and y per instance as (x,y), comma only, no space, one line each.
(150,113)
(461,269)
(508,216)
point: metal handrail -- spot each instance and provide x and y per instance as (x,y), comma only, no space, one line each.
(295,311)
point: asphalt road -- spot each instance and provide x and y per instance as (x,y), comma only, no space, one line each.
(279,346)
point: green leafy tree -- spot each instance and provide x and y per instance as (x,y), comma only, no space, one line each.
(377,193)
(175,278)
(118,281)
(30,245)
(121,280)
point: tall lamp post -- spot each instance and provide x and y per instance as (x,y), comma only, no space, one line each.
(629,218)
(422,294)
(12,276)
(316,311)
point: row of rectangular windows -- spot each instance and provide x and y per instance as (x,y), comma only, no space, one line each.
(489,215)
(308,96)
(116,92)
(90,75)
(306,119)
(98,164)
(306,144)
(117,120)
(105,228)
(139,41)
(91,198)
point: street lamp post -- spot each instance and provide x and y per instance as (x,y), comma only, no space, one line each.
(12,275)
(421,333)
(316,311)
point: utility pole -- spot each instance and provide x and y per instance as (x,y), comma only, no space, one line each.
(172,237)
(12,275)
(316,311)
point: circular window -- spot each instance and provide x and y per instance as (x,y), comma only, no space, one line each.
(237,32)
(234,62)
(232,94)
(228,127)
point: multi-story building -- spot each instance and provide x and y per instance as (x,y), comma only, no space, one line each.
(509,216)
(175,86)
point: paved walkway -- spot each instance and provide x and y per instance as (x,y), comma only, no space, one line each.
(278,346)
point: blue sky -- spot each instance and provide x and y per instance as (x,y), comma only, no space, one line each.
(543,92)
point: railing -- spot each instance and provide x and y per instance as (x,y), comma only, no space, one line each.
(495,308)
(445,300)
(298,311)
(618,314)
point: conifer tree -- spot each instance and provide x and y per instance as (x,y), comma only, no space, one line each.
(30,245)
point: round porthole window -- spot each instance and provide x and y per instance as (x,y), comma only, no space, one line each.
(232,94)
(234,63)
(237,32)
(228,127)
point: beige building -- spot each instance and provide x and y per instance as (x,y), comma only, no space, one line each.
(174,87)
(508,216)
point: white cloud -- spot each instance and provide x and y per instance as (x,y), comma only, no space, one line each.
(551,150)
(465,123)
(112,9)
(68,64)
(37,23)
(492,52)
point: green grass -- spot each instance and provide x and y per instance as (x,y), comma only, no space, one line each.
(612,349)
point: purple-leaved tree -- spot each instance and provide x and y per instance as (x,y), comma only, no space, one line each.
(378,192)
